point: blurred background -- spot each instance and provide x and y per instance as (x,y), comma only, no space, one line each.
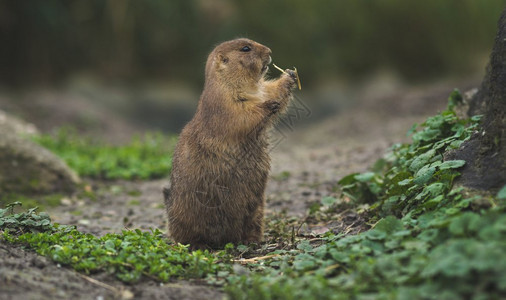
(124,66)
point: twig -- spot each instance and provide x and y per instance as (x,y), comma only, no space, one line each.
(293,235)
(99,283)
(281,70)
(254,259)
(349,228)
(301,224)
(143,272)
(332,267)
(329,268)
(316,239)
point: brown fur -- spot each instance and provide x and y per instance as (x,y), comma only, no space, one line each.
(220,164)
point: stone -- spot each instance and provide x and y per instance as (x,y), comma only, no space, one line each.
(27,168)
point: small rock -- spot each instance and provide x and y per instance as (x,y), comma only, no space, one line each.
(15,125)
(240,270)
(66,201)
(39,262)
(84,222)
(127,294)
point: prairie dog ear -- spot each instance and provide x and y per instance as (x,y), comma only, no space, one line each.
(221,61)
(222,58)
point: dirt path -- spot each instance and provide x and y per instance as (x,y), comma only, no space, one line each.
(306,166)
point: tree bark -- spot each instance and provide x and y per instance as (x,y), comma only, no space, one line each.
(485,151)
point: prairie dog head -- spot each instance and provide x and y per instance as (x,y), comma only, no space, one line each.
(238,63)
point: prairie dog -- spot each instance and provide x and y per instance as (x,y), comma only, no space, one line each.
(221,163)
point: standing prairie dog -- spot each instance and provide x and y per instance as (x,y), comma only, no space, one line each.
(221,161)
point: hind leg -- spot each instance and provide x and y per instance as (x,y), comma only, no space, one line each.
(253,232)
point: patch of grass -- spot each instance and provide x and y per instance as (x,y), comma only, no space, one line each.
(282,176)
(134,193)
(144,157)
(128,256)
(134,202)
(43,202)
(77,212)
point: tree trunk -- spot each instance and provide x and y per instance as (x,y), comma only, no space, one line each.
(485,152)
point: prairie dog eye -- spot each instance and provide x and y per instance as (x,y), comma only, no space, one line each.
(246,49)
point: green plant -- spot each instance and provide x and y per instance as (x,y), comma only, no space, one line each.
(28,221)
(442,257)
(415,178)
(129,256)
(143,158)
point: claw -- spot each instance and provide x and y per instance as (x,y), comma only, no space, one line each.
(298,79)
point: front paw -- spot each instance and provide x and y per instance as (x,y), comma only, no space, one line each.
(292,77)
(272,106)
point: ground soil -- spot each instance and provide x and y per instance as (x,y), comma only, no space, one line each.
(306,165)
